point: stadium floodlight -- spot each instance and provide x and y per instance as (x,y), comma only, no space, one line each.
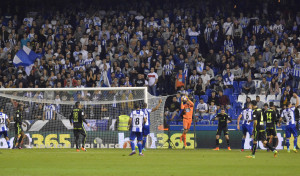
(107,109)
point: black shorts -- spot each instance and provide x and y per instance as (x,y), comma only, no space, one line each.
(224,129)
(18,129)
(271,131)
(79,131)
(259,135)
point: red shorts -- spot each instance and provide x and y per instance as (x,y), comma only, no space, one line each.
(187,124)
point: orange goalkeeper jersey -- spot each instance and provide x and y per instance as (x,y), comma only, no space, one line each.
(188,110)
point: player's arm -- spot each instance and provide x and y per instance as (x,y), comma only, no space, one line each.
(44,114)
(156,108)
(83,119)
(215,118)
(71,118)
(129,123)
(229,119)
(8,122)
(254,120)
(297,99)
(238,121)
(54,114)
(190,102)
(174,114)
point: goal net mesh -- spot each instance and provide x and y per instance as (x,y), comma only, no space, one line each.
(46,116)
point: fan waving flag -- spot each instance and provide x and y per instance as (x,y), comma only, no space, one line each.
(25,57)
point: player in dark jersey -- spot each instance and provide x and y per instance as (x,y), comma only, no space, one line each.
(270,116)
(259,130)
(19,134)
(77,119)
(222,126)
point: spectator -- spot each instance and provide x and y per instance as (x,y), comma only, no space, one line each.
(173,109)
(212,110)
(214,98)
(249,86)
(152,81)
(285,98)
(248,101)
(264,87)
(228,79)
(180,80)
(274,87)
(202,109)
(224,100)
(200,88)
(260,104)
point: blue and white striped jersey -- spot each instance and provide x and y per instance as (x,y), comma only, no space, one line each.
(3,118)
(289,115)
(247,115)
(137,117)
(168,69)
(49,111)
(296,70)
(147,113)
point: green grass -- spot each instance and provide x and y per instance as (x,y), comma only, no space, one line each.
(106,162)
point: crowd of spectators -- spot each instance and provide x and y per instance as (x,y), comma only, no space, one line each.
(169,46)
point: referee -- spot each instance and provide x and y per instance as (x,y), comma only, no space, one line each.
(77,119)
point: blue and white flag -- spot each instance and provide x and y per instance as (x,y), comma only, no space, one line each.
(25,57)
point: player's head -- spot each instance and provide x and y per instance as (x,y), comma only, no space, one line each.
(249,105)
(145,105)
(254,104)
(136,105)
(77,104)
(271,105)
(222,111)
(20,107)
(266,106)
(289,104)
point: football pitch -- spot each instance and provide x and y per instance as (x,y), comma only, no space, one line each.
(106,162)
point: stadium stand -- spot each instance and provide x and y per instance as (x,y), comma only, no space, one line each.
(84,45)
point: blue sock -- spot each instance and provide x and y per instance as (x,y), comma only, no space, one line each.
(243,143)
(251,143)
(8,143)
(288,144)
(295,143)
(132,145)
(144,142)
(140,146)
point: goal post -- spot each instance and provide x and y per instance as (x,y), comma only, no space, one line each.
(46,115)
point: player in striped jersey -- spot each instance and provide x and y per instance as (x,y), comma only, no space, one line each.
(296,74)
(49,112)
(247,125)
(135,124)
(4,123)
(289,115)
(146,127)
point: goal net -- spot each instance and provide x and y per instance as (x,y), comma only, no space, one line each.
(46,115)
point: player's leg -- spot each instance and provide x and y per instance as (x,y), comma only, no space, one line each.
(83,133)
(294,131)
(186,131)
(244,131)
(21,139)
(266,143)
(139,136)
(287,136)
(275,139)
(132,145)
(217,139)
(146,132)
(76,134)
(255,138)
(226,134)
(7,139)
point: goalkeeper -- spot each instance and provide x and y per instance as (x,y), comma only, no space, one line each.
(77,119)
(188,107)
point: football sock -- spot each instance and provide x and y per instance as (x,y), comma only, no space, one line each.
(288,144)
(77,142)
(251,142)
(8,144)
(227,140)
(270,146)
(295,142)
(268,139)
(184,139)
(139,144)
(254,149)
(132,145)
(83,141)
(243,143)
(275,142)
(20,139)
(144,142)
(15,141)
(217,143)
